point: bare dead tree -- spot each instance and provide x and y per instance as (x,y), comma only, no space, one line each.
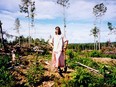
(17,27)
(1,31)
(2,34)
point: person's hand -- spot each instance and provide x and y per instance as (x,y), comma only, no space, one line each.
(64,49)
(52,46)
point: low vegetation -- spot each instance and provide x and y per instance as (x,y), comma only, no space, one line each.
(31,69)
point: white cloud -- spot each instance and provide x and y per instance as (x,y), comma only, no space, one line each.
(47,9)
(83,10)
(11,5)
(110,14)
(78,34)
(80,10)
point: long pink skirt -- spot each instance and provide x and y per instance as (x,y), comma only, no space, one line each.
(57,59)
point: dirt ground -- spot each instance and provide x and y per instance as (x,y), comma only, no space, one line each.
(107,61)
(49,72)
(51,77)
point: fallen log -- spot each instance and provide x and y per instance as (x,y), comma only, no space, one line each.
(91,69)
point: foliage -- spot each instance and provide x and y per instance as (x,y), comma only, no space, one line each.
(34,74)
(95,53)
(28,6)
(89,62)
(4,59)
(109,75)
(111,78)
(88,46)
(82,78)
(72,63)
(70,53)
(111,28)
(95,32)
(46,57)
(112,56)
(6,79)
(99,10)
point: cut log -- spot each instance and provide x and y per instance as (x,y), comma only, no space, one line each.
(91,69)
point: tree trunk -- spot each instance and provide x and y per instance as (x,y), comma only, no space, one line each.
(19,40)
(2,39)
(99,40)
(94,43)
(91,69)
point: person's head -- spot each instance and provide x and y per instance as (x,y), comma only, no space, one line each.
(57,30)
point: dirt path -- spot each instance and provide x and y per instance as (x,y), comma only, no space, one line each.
(49,79)
(55,76)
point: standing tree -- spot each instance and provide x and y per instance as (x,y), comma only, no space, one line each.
(28,7)
(65,4)
(111,28)
(95,32)
(17,27)
(99,10)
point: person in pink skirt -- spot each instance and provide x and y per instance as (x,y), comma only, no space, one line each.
(59,44)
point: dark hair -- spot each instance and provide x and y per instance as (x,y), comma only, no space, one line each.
(59,31)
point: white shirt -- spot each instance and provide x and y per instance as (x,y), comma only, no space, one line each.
(58,42)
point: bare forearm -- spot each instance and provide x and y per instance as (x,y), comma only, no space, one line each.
(65,44)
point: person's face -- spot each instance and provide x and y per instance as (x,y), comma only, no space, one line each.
(56,31)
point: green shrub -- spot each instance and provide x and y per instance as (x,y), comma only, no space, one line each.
(6,79)
(70,53)
(109,73)
(95,53)
(72,63)
(4,60)
(113,56)
(82,78)
(34,74)
(88,62)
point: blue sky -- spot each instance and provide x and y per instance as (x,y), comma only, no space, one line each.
(49,14)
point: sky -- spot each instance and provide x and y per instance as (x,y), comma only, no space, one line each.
(79,19)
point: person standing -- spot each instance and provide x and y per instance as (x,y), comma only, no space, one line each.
(59,44)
